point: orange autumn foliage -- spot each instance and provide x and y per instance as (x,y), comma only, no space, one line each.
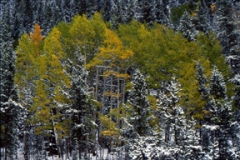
(36,36)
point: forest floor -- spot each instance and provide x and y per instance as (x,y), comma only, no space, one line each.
(102,155)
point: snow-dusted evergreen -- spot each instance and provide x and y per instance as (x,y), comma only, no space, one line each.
(203,18)
(217,84)
(186,27)
(219,123)
(10,109)
(137,131)
(179,136)
(225,27)
(162,12)
(81,111)
(140,106)
(215,125)
(202,80)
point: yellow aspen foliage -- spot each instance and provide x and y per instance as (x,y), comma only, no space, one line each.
(85,34)
(162,53)
(81,31)
(25,59)
(54,53)
(27,70)
(109,127)
(43,74)
(99,27)
(41,109)
(113,53)
(52,44)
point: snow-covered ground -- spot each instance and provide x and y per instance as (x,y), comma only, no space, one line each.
(102,155)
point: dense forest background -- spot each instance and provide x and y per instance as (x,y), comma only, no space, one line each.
(120,79)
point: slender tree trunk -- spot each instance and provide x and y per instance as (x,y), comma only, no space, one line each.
(118,97)
(104,88)
(5,146)
(123,92)
(75,150)
(111,92)
(167,136)
(96,90)
(5,153)
(26,142)
(55,133)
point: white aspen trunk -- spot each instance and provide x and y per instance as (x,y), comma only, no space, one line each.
(111,91)
(55,134)
(96,90)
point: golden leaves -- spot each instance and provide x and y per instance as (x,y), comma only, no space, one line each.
(109,127)
(113,53)
(53,45)
(212,7)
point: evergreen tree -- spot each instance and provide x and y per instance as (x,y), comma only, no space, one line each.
(145,11)
(140,114)
(202,79)
(139,15)
(203,18)
(9,107)
(138,132)
(235,127)
(179,134)
(82,112)
(162,12)
(170,111)
(106,6)
(217,137)
(236,80)
(186,27)
(91,7)
(11,113)
(217,84)
(127,9)
(225,26)
(115,14)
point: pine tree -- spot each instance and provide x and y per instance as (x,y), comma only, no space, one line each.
(106,6)
(203,18)
(235,127)
(162,12)
(140,114)
(127,9)
(138,133)
(115,14)
(186,27)
(12,112)
(81,110)
(217,137)
(179,135)
(170,111)
(145,11)
(139,14)
(236,80)
(91,7)
(225,26)
(217,84)
(9,106)
(202,79)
